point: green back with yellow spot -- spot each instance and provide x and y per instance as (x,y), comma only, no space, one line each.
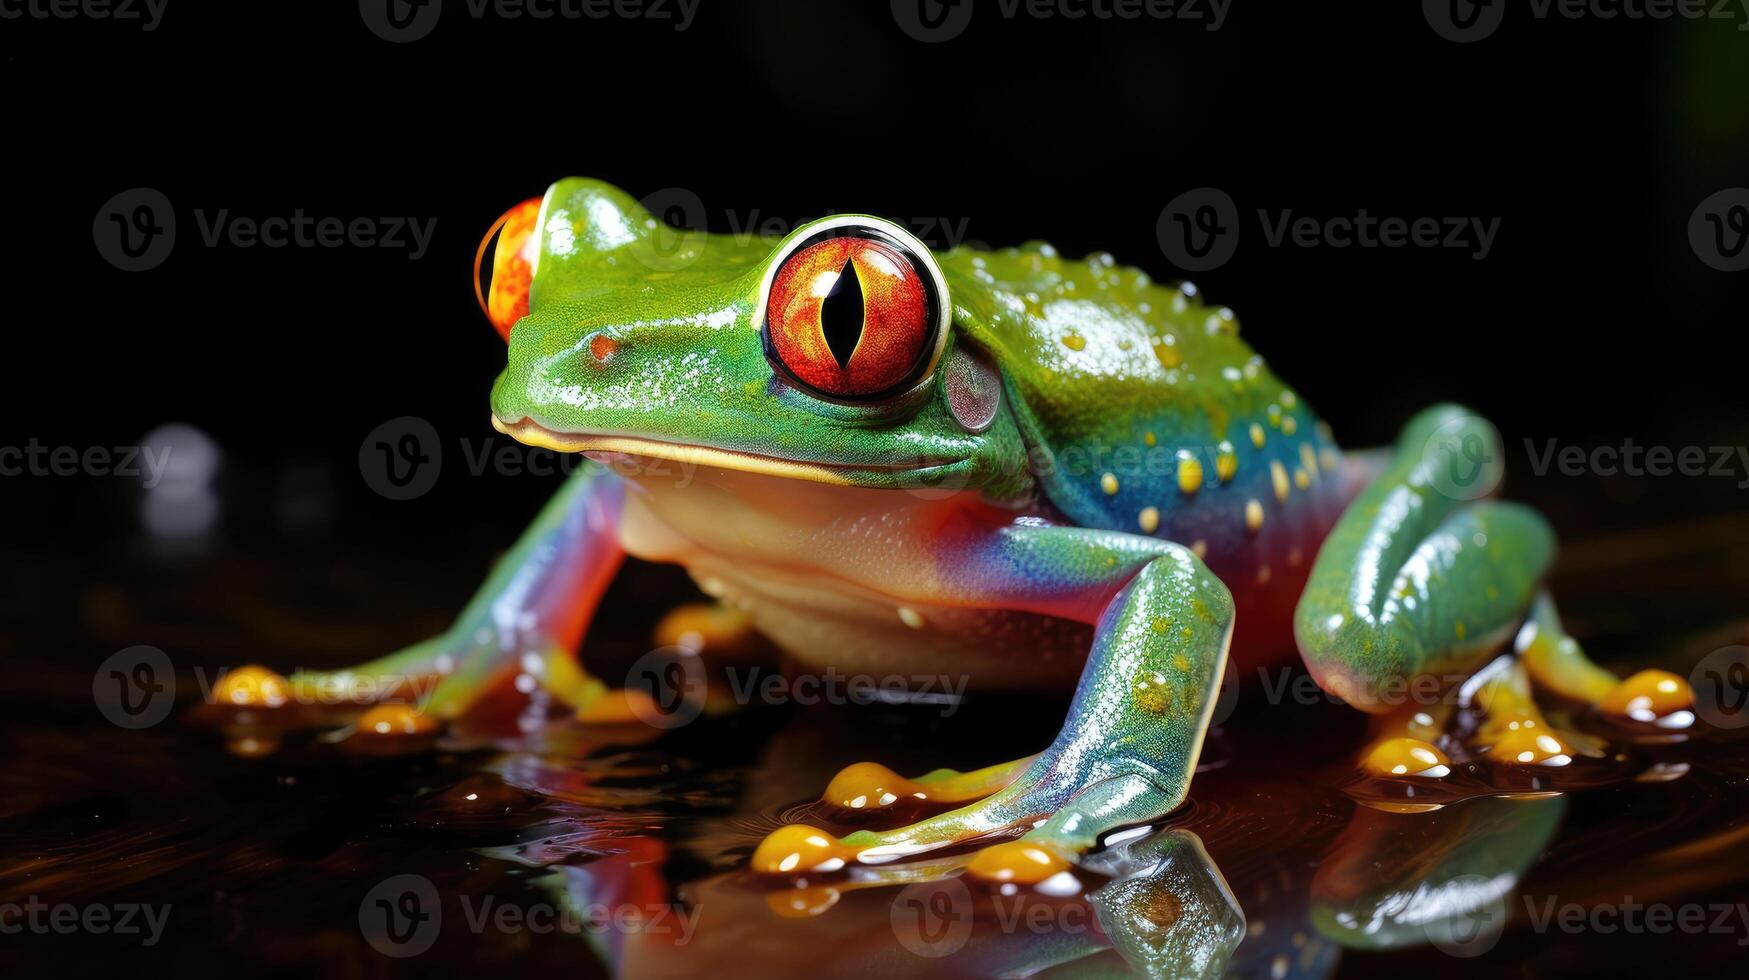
(1144,409)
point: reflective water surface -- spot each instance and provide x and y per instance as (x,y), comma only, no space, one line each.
(621,851)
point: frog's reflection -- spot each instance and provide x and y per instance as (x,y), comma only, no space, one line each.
(1314,874)
(1167,912)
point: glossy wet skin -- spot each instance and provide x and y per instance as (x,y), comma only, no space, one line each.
(637,330)
(1124,404)
(1003,466)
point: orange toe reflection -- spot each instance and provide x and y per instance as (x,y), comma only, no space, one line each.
(252,686)
(1407,757)
(1648,696)
(802,903)
(1022,862)
(800,848)
(396,719)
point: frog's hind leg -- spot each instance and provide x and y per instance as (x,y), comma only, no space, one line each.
(1417,581)
(1125,754)
(529,615)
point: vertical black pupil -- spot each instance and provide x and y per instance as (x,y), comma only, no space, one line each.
(841,315)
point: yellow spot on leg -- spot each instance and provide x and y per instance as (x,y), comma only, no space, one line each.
(1153,693)
(1226,462)
(1189,472)
(1253,515)
(1108,483)
(911,617)
(1149,520)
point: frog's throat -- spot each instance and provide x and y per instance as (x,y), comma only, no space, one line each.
(532,433)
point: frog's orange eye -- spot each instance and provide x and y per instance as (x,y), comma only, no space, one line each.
(852,314)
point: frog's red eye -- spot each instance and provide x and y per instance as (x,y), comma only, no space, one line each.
(852,314)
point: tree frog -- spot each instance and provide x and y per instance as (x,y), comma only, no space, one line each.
(1037,472)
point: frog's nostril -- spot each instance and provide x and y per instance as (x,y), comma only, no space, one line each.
(602,347)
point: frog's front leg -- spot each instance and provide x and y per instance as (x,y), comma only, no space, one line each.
(1126,753)
(1415,581)
(530,615)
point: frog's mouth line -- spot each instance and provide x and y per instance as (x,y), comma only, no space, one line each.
(532,433)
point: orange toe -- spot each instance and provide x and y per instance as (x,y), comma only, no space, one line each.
(1648,696)
(799,848)
(396,719)
(253,686)
(1407,757)
(618,707)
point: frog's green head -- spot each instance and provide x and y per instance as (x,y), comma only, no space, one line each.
(828,355)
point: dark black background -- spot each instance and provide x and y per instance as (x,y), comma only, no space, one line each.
(1592,141)
(1591,322)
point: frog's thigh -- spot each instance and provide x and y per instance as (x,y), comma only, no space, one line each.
(1066,572)
(1418,580)
(1125,754)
